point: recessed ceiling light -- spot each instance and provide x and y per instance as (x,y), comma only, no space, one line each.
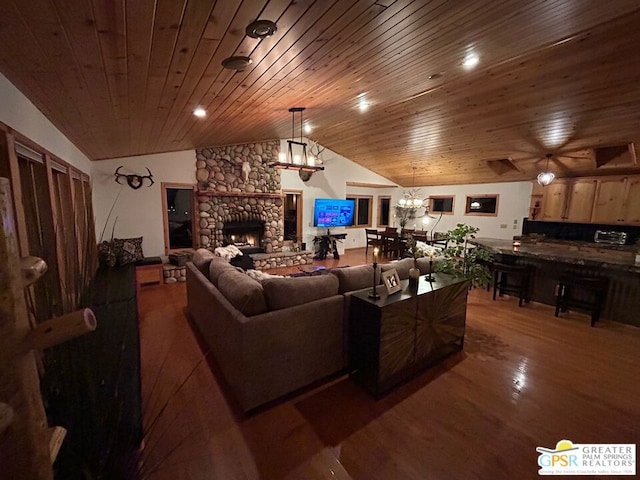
(435,76)
(200,112)
(307,128)
(236,63)
(363,105)
(261,29)
(470,61)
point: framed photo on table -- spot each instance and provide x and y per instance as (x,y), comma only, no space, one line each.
(391,281)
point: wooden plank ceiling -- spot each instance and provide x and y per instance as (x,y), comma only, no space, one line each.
(123,78)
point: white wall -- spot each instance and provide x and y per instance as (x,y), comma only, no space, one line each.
(138,212)
(20,114)
(332,183)
(513,207)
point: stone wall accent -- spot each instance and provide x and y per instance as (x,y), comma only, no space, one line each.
(220,169)
(216,210)
(243,172)
(283,259)
(173,274)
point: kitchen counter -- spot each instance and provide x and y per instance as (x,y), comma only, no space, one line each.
(550,260)
(614,257)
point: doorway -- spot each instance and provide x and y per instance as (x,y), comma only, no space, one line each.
(177,203)
(292,215)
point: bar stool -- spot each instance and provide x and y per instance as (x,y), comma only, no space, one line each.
(503,281)
(582,293)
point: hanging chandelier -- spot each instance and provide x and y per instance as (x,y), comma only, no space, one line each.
(545,178)
(408,206)
(411,199)
(296,156)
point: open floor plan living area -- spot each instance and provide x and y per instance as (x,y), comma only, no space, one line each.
(315,239)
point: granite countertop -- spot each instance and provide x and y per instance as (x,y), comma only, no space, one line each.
(614,259)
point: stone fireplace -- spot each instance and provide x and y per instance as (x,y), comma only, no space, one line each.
(247,236)
(240,201)
(237,186)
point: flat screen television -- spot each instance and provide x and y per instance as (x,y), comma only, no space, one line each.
(329,212)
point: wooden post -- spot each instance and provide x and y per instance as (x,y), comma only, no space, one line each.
(60,329)
(24,446)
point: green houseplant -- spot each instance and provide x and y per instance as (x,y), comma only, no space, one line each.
(461,260)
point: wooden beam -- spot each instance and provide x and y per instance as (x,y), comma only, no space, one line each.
(369,185)
(215,193)
(24,450)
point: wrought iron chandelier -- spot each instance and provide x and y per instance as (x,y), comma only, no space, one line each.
(296,157)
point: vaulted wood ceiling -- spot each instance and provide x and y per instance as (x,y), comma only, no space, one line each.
(123,78)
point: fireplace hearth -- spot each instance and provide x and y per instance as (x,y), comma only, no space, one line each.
(247,236)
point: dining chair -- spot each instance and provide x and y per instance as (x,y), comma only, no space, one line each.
(373,239)
(391,245)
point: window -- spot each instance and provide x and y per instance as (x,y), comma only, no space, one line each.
(441,204)
(482,205)
(384,211)
(177,202)
(54,221)
(362,217)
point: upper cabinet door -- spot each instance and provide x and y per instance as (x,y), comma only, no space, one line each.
(583,192)
(631,207)
(609,200)
(555,201)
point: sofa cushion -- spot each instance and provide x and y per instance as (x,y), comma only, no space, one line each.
(242,291)
(354,278)
(218,266)
(201,259)
(289,292)
(423,264)
(401,266)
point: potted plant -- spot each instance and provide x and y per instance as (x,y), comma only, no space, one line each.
(461,260)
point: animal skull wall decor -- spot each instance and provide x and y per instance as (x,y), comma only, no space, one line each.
(246,168)
(133,180)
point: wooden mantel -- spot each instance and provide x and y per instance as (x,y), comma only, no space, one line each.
(215,193)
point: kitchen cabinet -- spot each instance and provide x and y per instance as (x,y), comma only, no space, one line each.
(631,202)
(617,201)
(603,200)
(580,200)
(555,199)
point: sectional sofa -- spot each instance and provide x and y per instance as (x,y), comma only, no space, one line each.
(272,337)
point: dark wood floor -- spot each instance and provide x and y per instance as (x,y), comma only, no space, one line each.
(525,379)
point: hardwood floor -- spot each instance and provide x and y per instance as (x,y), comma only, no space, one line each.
(525,379)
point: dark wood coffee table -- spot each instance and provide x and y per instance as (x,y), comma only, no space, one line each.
(396,336)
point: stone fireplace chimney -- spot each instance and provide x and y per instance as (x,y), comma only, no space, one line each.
(236,185)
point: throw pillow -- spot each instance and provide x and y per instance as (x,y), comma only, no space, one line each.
(107,254)
(128,250)
(260,276)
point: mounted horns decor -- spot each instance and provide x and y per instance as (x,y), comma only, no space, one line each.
(133,180)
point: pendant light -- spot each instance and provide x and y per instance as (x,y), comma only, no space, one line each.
(545,178)
(296,157)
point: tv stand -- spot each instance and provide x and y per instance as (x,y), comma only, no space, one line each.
(327,244)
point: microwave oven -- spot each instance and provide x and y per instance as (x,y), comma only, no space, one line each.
(610,237)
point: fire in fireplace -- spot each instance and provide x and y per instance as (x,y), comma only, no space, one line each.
(247,236)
